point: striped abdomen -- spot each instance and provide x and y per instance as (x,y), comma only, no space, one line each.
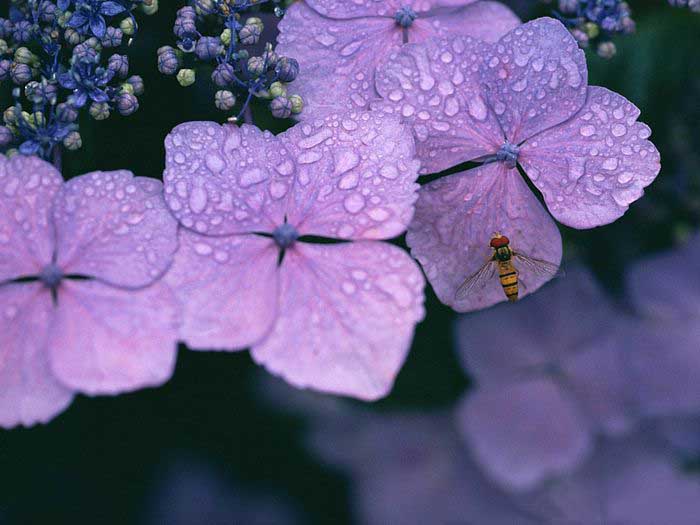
(509,279)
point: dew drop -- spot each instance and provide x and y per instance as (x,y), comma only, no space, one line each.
(618,130)
(203,249)
(610,164)
(198,199)
(349,181)
(354,203)
(587,130)
(215,163)
(345,161)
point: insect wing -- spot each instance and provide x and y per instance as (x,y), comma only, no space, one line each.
(537,266)
(477,280)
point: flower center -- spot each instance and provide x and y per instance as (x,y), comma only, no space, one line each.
(405,16)
(51,276)
(285,235)
(508,154)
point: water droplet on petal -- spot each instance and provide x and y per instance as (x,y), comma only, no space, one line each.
(587,130)
(198,199)
(354,203)
(618,130)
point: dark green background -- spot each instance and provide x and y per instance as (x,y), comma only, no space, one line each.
(99,461)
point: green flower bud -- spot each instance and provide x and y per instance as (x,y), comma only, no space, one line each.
(592,30)
(126,88)
(73,141)
(224,100)
(10,115)
(255,21)
(150,7)
(37,120)
(278,89)
(3,47)
(297,104)
(72,36)
(127,26)
(226,36)
(99,111)
(186,77)
(24,56)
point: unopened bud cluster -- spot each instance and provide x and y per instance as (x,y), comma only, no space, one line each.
(63,57)
(595,22)
(236,69)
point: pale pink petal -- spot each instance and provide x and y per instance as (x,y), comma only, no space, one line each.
(114,227)
(535,78)
(337,58)
(29,393)
(592,167)
(485,20)
(524,433)
(434,86)
(227,287)
(568,317)
(27,189)
(660,288)
(360,8)
(225,179)
(663,366)
(356,176)
(105,340)
(455,219)
(347,316)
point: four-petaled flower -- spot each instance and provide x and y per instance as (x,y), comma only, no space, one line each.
(82,308)
(523,100)
(87,79)
(334,317)
(89,15)
(339,44)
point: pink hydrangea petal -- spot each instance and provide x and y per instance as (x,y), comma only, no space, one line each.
(356,176)
(592,167)
(535,78)
(337,58)
(227,287)
(27,189)
(105,340)
(340,9)
(114,227)
(485,20)
(663,366)
(523,433)
(659,287)
(434,86)
(567,317)
(221,180)
(347,316)
(30,393)
(452,227)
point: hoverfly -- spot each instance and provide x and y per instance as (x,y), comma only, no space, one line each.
(503,259)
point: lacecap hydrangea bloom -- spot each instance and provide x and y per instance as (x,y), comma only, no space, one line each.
(81,307)
(521,101)
(334,317)
(339,44)
(555,383)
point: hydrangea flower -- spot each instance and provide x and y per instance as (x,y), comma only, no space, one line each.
(89,15)
(340,44)
(666,366)
(80,308)
(554,382)
(334,317)
(628,481)
(523,100)
(410,468)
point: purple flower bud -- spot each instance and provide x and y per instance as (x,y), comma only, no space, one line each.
(73,141)
(184,27)
(223,75)
(5,66)
(20,73)
(127,104)
(287,69)
(66,113)
(47,11)
(119,64)
(168,60)
(72,36)
(256,66)
(113,37)
(5,27)
(224,100)
(281,107)
(187,12)
(6,136)
(137,83)
(208,48)
(249,34)
(22,32)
